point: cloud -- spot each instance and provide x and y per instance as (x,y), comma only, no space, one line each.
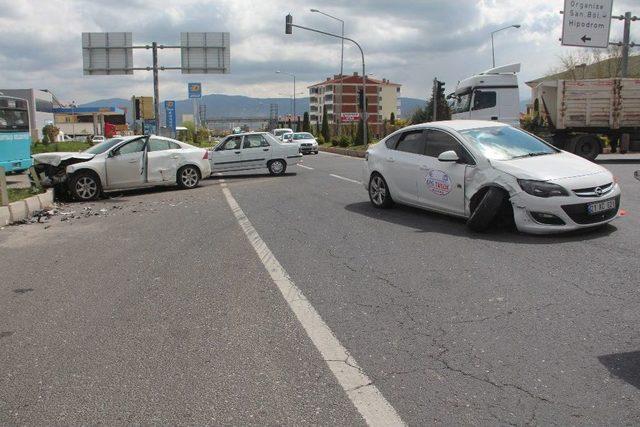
(409,42)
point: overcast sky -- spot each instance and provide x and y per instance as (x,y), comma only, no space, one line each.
(408,42)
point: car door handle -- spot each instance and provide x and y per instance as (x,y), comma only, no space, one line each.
(133,161)
(237,152)
(390,159)
(175,157)
(265,149)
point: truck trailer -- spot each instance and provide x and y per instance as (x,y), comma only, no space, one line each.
(577,113)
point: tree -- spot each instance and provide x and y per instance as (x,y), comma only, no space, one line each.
(49,134)
(298,125)
(392,120)
(326,133)
(306,125)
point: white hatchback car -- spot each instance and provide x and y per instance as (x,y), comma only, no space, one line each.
(124,163)
(253,150)
(479,169)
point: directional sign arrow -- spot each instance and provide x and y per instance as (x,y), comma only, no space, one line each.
(585,39)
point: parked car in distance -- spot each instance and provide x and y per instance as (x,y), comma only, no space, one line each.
(479,169)
(307,143)
(287,137)
(253,150)
(97,139)
(281,131)
(124,163)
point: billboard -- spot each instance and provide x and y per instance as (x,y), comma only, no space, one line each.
(107,54)
(205,53)
(170,114)
(349,117)
(195,90)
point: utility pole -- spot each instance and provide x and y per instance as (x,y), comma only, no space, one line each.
(156,89)
(434,100)
(626,43)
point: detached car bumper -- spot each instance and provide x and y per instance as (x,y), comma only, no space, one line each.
(538,215)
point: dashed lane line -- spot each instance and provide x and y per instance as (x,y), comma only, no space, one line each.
(345,179)
(364,395)
(305,167)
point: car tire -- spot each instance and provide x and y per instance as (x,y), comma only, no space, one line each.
(277,167)
(486,211)
(85,186)
(188,177)
(379,194)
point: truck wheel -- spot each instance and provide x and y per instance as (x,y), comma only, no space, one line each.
(587,146)
(487,209)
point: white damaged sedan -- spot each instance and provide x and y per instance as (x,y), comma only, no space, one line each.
(480,170)
(124,163)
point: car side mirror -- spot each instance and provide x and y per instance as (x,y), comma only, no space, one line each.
(448,156)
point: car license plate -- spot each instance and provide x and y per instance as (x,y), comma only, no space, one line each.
(597,207)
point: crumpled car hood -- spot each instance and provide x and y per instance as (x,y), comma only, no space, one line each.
(549,168)
(54,159)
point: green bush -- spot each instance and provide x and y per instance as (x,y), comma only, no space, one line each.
(344,141)
(320,139)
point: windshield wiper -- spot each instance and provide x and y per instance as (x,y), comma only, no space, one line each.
(541,153)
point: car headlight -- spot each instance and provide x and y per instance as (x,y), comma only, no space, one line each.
(542,189)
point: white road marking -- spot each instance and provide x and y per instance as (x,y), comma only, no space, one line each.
(365,396)
(305,167)
(340,155)
(345,179)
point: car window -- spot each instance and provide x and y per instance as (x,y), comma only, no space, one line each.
(482,100)
(156,144)
(392,141)
(412,142)
(438,142)
(232,143)
(254,141)
(174,145)
(131,147)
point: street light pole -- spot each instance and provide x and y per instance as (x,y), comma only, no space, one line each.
(493,52)
(342,41)
(288,30)
(294,91)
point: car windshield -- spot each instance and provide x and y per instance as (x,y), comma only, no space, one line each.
(303,135)
(506,143)
(461,103)
(103,146)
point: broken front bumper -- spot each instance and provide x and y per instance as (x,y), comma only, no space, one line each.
(538,215)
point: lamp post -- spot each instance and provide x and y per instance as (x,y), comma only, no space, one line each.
(493,52)
(294,90)
(289,30)
(342,41)
(73,119)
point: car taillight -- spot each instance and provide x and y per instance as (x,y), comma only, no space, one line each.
(206,155)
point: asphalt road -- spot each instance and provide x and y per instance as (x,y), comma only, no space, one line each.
(160,310)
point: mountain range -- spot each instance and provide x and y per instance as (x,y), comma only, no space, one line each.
(221,106)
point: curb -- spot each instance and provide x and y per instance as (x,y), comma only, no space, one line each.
(23,209)
(343,151)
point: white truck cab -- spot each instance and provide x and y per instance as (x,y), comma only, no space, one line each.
(491,95)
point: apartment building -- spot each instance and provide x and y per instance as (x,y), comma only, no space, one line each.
(339,97)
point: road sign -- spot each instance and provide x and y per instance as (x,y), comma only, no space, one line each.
(586,23)
(205,53)
(349,117)
(195,90)
(107,53)
(170,114)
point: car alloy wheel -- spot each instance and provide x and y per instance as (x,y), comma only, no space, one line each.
(86,188)
(378,190)
(189,177)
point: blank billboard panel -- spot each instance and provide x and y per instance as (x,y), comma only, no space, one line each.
(107,53)
(205,53)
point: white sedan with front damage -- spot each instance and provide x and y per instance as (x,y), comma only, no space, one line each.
(482,171)
(124,163)
(253,150)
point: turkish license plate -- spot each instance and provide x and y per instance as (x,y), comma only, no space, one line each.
(597,207)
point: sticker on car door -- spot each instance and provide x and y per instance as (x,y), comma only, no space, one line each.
(438,182)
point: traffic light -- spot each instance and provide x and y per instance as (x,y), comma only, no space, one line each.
(360,99)
(288,24)
(440,89)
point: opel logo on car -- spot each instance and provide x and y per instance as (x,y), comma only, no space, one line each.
(598,191)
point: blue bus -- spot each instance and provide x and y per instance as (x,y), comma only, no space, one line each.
(15,139)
